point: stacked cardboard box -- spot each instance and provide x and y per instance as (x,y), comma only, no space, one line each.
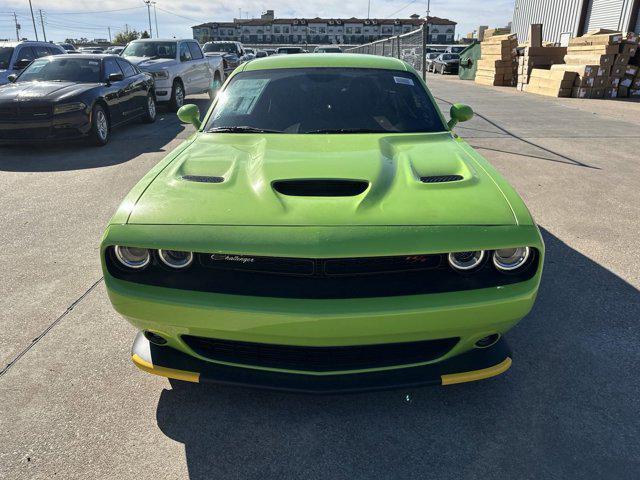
(534,55)
(599,60)
(553,83)
(627,77)
(498,61)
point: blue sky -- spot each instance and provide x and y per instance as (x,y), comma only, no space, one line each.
(92,18)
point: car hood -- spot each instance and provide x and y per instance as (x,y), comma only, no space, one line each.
(146,63)
(391,165)
(53,91)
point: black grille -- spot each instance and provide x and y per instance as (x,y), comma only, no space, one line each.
(25,113)
(320,188)
(320,359)
(202,179)
(309,278)
(441,178)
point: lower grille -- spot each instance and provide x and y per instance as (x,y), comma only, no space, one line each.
(320,359)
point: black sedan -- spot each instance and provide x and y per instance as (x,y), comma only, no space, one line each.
(73,96)
(446,63)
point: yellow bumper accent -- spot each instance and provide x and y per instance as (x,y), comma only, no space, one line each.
(474,375)
(164,371)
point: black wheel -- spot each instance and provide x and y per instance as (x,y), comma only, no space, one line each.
(177,96)
(99,133)
(150,113)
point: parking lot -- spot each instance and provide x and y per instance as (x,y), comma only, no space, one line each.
(73,405)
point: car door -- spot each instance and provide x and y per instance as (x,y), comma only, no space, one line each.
(188,72)
(204,75)
(128,99)
(114,91)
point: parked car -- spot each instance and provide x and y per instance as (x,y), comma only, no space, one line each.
(270,51)
(15,56)
(114,50)
(289,50)
(66,97)
(446,63)
(231,53)
(249,51)
(261,54)
(429,59)
(91,50)
(327,49)
(277,250)
(69,48)
(178,66)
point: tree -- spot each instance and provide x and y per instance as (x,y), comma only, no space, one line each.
(144,35)
(122,38)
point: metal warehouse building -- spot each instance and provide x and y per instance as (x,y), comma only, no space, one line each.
(562,19)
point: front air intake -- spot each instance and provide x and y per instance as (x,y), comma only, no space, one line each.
(441,178)
(320,188)
(202,179)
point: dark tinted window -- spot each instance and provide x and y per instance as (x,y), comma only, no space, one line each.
(194,48)
(25,53)
(326,100)
(220,47)
(126,67)
(54,51)
(150,49)
(63,69)
(41,51)
(111,66)
(185,55)
(5,57)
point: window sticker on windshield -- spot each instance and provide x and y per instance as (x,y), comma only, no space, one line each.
(244,93)
(403,80)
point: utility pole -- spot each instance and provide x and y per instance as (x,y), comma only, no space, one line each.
(42,23)
(33,19)
(15,19)
(148,3)
(155,16)
(368,9)
(109,30)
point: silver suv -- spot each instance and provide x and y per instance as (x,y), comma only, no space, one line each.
(15,56)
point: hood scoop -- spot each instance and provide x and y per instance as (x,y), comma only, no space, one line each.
(320,187)
(441,178)
(202,179)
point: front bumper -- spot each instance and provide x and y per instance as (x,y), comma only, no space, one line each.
(476,364)
(69,126)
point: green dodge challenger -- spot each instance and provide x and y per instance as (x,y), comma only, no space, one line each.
(324,230)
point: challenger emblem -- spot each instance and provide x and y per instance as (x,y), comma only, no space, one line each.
(233,258)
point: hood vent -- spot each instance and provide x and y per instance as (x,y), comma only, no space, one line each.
(320,188)
(202,179)
(441,178)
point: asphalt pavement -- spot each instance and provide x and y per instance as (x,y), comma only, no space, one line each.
(72,405)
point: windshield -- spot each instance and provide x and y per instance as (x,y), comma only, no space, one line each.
(150,50)
(82,70)
(5,57)
(329,50)
(325,100)
(219,47)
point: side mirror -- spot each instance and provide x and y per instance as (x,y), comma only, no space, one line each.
(21,64)
(459,113)
(190,113)
(115,77)
(12,78)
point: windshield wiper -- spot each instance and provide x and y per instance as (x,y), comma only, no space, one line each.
(241,129)
(347,130)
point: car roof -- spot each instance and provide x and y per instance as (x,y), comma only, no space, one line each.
(309,60)
(163,40)
(26,42)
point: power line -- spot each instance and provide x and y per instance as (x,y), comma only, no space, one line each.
(178,15)
(401,9)
(98,11)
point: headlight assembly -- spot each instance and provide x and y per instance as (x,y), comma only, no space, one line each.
(132,257)
(175,259)
(68,107)
(509,259)
(160,74)
(466,261)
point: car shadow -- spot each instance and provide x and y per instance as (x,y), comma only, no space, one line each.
(127,142)
(566,409)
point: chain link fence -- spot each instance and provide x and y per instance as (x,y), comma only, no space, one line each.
(409,47)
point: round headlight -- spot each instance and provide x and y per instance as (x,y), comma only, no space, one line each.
(175,258)
(132,257)
(507,259)
(465,261)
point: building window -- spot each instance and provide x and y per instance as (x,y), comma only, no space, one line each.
(285,29)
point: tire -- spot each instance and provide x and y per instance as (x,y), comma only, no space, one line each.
(151,112)
(99,133)
(177,96)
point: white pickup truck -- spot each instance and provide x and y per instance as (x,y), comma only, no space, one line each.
(179,68)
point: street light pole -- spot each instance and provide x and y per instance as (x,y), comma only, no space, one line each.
(368,9)
(155,16)
(33,19)
(42,23)
(148,3)
(15,19)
